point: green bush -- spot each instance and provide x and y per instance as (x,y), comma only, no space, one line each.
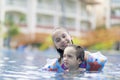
(102,46)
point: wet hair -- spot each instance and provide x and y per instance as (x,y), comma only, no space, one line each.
(60,51)
(79,51)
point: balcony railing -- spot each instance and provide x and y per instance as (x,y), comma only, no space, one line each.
(16,2)
(90,2)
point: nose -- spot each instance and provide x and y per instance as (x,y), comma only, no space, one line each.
(64,58)
(62,39)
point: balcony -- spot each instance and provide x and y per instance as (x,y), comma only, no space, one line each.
(90,2)
(20,3)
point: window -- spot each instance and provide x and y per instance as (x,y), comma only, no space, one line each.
(15,18)
(46,4)
(67,22)
(44,20)
(115,1)
(115,12)
(85,26)
(68,6)
(17,2)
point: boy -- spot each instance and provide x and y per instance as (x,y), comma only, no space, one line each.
(73,56)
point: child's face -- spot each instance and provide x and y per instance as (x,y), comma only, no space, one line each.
(61,39)
(70,59)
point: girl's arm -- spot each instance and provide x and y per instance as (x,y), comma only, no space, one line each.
(86,55)
(53,65)
(95,61)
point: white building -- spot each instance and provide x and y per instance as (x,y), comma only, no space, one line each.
(113,13)
(41,16)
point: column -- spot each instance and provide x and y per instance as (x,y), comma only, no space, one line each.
(2,20)
(31,17)
(93,22)
(108,14)
(56,14)
(77,25)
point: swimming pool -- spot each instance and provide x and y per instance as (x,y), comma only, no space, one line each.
(26,66)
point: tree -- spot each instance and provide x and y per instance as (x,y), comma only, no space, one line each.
(12,30)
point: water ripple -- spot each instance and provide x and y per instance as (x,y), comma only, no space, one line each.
(14,66)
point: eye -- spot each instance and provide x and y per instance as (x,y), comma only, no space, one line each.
(57,39)
(70,56)
(63,35)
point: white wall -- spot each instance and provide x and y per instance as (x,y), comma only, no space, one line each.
(101,10)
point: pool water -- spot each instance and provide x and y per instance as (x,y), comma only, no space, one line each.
(27,65)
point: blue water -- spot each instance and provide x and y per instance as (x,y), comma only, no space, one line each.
(26,65)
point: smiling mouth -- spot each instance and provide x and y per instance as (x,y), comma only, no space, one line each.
(65,44)
(65,63)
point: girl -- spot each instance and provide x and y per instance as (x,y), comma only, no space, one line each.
(61,39)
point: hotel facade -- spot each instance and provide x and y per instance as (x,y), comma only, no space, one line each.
(113,13)
(41,16)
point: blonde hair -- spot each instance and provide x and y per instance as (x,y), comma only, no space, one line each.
(59,28)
